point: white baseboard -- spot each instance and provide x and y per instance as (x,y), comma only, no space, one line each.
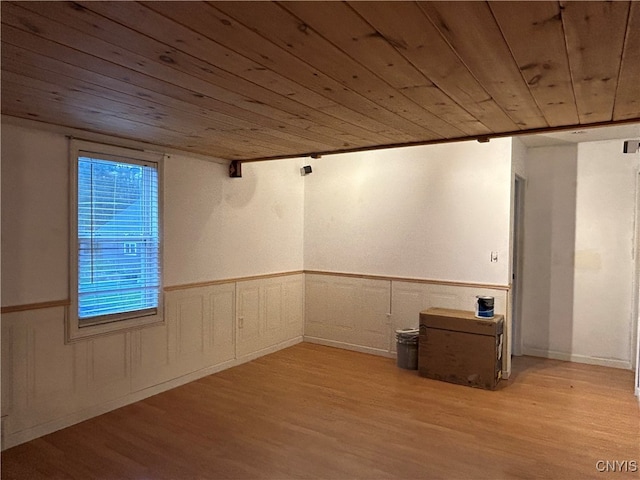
(571,357)
(16,438)
(350,346)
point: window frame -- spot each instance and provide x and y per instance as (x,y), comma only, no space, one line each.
(75,330)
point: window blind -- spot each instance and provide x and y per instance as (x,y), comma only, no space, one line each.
(118,239)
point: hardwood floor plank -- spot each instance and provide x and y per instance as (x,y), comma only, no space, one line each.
(318,412)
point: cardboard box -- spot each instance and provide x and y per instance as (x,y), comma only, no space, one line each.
(455,346)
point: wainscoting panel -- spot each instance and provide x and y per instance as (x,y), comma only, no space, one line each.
(344,303)
(191,333)
(40,379)
(316,319)
(48,384)
(250,316)
(151,362)
(375,318)
(8,368)
(190,325)
(198,333)
(269,312)
(410,298)
(363,312)
(348,311)
(105,367)
(273,301)
(222,307)
(293,313)
(407,299)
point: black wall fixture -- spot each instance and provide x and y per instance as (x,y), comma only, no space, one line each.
(235,169)
(631,146)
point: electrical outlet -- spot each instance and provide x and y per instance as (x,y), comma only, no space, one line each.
(494,257)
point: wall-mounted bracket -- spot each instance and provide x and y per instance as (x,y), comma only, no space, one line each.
(631,146)
(235,169)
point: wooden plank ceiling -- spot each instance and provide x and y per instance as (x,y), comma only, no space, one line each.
(257,80)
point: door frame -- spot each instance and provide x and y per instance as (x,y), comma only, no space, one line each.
(635,283)
(517,236)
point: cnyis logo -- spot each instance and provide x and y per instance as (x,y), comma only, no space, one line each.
(609,466)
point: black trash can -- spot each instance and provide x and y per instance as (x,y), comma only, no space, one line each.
(407,348)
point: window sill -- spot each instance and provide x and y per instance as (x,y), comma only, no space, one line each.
(75,333)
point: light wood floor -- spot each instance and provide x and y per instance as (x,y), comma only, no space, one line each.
(318,412)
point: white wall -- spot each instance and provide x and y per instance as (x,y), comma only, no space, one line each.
(518,157)
(549,246)
(35,216)
(432,212)
(215,228)
(218,227)
(578,272)
(604,261)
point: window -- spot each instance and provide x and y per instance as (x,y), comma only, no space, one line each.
(116,239)
(130,248)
